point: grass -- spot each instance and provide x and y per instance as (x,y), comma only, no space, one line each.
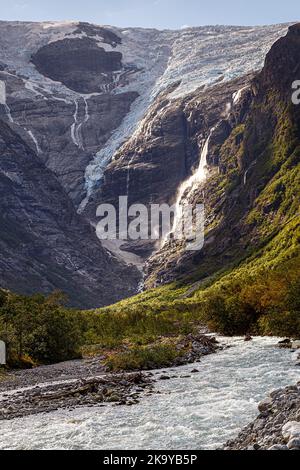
(3,374)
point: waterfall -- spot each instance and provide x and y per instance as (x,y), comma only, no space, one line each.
(128,175)
(238,94)
(77,125)
(129,127)
(247,171)
(87,115)
(8,112)
(3,100)
(38,149)
(74,129)
(186,188)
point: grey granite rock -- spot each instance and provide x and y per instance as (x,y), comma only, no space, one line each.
(45,245)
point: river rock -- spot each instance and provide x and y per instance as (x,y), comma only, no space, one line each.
(277,427)
(286,343)
(265,405)
(67,395)
(248,338)
(113,398)
(294,443)
(278,447)
(291,430)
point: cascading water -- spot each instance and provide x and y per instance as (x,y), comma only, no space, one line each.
(95,170)
(76,133)
(74,130)
(186,188)
(3,100)
(34,139)
(10,118)
(128,175)
(237,95)
(247,171)
(87,115)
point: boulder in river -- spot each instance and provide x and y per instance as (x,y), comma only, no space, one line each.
(286,343)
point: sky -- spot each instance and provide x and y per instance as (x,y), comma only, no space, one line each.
(161,14)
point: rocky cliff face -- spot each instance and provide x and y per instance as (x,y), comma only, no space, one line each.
(78,63)
(64,133)
(44,243)
(254,194)
(104,112)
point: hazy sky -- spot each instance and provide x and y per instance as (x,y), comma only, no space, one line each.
(154,13)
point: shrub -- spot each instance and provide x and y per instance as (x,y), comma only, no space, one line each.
(142,357)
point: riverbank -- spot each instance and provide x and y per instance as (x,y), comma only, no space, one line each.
(278,425)
(123,389)
(87,382)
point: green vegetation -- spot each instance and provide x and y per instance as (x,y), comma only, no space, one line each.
(38,329)
(261,296)
(142,357)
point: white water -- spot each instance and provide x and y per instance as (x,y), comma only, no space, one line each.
(247,171)
(200,412)
(186,188)
(74,133)
(237,96)
(32,136)
(87,114)
(3,100)
(77,132)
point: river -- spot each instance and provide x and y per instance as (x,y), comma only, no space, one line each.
(197,411)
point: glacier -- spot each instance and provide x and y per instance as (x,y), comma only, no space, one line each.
(193,58)
(157,60)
